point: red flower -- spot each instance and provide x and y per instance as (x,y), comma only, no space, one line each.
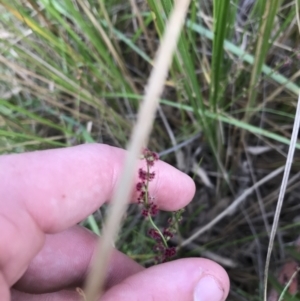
(159,247)
(153,209)
(154,234)
(142,174)
(150,157)
(141,186)
(167,233)
(151,176)
(170,252)
(145,176)
(145,212)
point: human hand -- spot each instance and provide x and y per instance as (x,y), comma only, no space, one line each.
(43,256)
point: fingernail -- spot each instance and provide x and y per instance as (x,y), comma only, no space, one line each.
(208,289)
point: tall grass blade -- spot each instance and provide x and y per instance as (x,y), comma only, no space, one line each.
(262,47)
(248,58)
(221,9)
(139,137)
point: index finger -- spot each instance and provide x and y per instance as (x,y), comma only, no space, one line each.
(61,187)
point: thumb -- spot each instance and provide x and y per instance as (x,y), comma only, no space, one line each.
(185,279)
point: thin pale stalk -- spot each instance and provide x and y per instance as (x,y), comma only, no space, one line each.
(288,165)
(139,136)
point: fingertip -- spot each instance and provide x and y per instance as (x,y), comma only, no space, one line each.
(175,188)
(185,279)
(214,283)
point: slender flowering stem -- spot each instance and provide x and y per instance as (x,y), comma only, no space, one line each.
(157,229)
(149,215)
(150,209)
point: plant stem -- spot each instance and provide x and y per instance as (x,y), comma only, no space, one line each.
(159,232)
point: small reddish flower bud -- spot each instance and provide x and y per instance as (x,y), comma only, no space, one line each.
(141,186)
(167,233)
(145,212)
(170,252)
(159,247)
(154,234)
(151,176)
(150,157)
(153,209)
(142,195)
(142,174)
(155,156)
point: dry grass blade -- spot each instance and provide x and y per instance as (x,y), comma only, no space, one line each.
(289,161)
(233,206)
(103,35)
(142,25)
(140,134)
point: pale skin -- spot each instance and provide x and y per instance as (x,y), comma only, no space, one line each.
(45,194)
